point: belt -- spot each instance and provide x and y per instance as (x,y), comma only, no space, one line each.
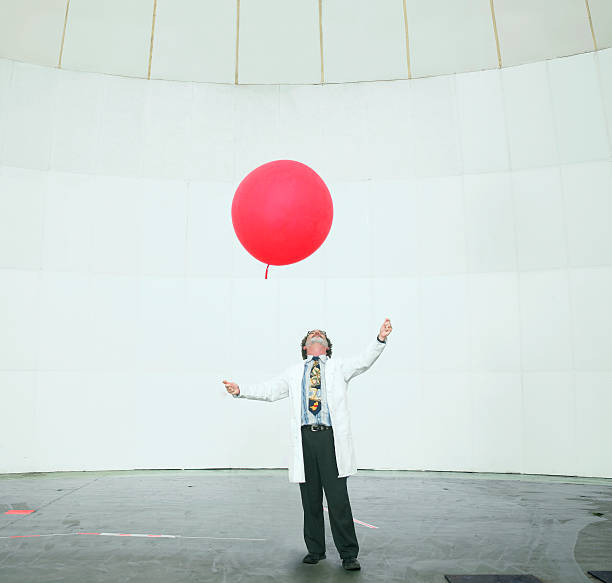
(317,427)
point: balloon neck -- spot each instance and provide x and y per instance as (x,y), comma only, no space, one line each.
(267,271)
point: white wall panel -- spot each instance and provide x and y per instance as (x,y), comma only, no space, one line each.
(533,31)
(19,393)
(111,395)
(164,227)
(63,392)
(448,420)
(300,124)
(441,225)
(66,320)
(22,195)
(67,222)
(450,36)
(109,37)
(498,417)
(208,334)
(545,321)
(603,60)
(397,298)
(209,223)
(549,445)
(587,189)
(489,222)
(592,410)
(27,139)
(116,227)
(296,295)
(494,322)
(590,292)
(120,141)
(6,76)
(484,143)
(31,30)
(390,136)
(256,130)
(349,243)
(363,41)
(347,315)
(577,105)
(601,15)
(198,393)
(279,42)
(254,323)
(529,117)
(76,117)
(19,319)
(344,149)
(382,393)
(195,40)
(436,145)
(444,322)
(161,324)
(115,338)
(396,247)
(540,222)
(166,129)
(212,149)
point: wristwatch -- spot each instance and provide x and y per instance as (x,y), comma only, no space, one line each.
(381,341)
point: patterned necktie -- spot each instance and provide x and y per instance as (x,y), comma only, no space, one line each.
(314,394)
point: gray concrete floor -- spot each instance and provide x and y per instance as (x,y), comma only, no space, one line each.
(246,525)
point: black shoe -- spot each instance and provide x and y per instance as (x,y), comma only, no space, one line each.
(351,564)
(313,558)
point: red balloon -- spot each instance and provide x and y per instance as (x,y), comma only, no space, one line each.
(282,212)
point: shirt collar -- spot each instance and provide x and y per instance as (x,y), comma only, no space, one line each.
(322,357)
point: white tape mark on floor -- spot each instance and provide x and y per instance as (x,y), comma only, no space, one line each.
(131,534)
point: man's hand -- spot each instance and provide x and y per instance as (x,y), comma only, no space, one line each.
(232,388)
(385,330)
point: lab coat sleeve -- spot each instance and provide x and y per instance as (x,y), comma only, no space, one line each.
(351,367)
(271,390)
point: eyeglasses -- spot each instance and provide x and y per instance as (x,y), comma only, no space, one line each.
(311,331)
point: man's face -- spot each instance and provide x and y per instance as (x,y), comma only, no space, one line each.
(317,336)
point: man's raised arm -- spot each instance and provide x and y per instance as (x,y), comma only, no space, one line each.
(351,367)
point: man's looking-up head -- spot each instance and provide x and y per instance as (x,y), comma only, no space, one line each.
(316,343)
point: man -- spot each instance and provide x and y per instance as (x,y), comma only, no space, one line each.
(323,455)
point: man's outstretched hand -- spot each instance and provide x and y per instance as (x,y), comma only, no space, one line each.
(232,388)
(385,330)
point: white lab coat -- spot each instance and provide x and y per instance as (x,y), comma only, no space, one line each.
(338,373)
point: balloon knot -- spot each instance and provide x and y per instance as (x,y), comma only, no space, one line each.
(267,271)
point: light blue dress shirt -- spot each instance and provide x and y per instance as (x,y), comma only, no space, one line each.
(323,417)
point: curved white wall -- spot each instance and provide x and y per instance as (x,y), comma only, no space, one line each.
(474,210)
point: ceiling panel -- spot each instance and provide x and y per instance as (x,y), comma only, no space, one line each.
(364,40)
(450,36)
(279,42)
(601,15)
(31,30)
(113,36)
(195,40)
(534,30)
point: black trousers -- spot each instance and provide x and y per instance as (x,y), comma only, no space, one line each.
(322,474)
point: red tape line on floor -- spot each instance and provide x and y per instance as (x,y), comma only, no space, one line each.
(355,520)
